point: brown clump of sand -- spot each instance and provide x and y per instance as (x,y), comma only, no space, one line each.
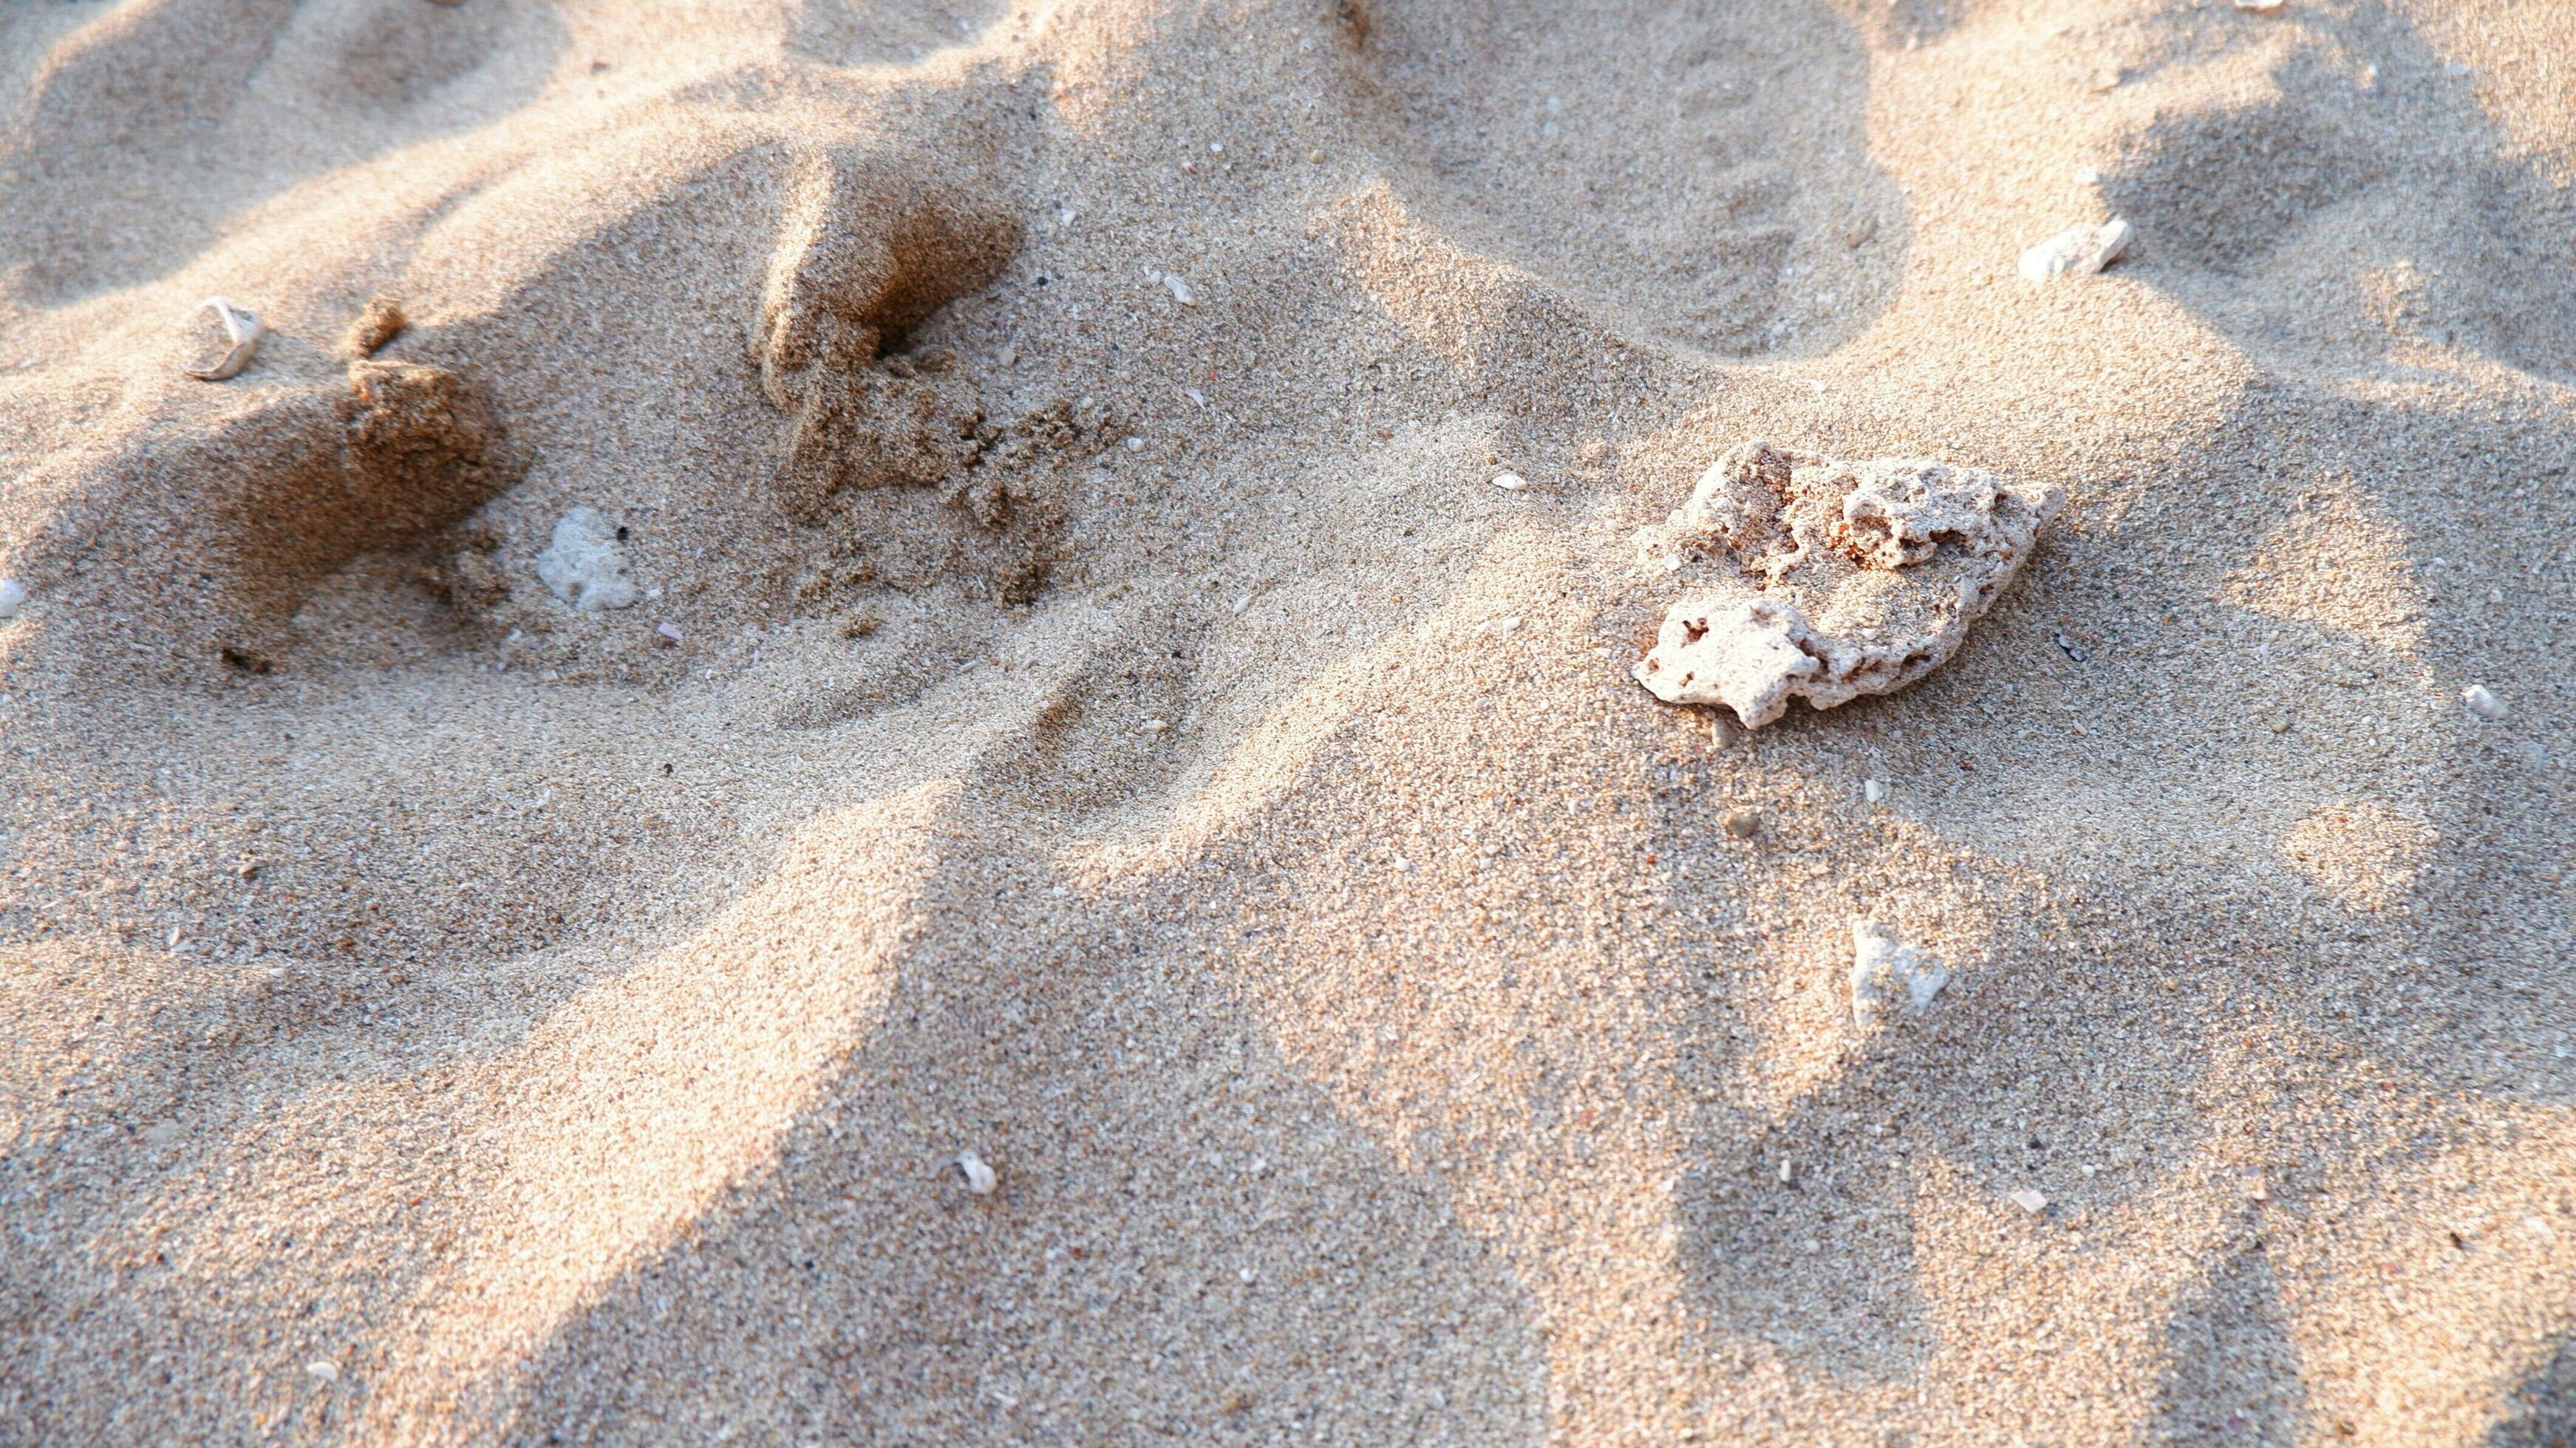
(1089,709)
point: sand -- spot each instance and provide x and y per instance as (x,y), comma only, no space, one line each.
(1087,707)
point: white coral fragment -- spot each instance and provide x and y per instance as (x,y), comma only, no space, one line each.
(2080,251)
(1887,973)
(242,331)
(1825,580)
(583,565)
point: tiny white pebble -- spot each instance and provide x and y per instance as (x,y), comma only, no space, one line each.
(2029,1201)
(1246,1276)
(1873,790)
(1786,1172)
(328,1372)
(1157,726)
(1216,148)
(2482,703)
(1135,444)
(669,631)
(1194,395)
(13,597)
(1179,289)
(2258,4)
(1243,603)
(979,1177)
(1510,482)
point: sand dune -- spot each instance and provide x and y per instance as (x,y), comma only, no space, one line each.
(1076,695)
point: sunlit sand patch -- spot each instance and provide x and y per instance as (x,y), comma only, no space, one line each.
(649,1093)
(2338,562)
(2365,855)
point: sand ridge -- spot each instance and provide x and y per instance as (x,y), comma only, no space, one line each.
(1109,723)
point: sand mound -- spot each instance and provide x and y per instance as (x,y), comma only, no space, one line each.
(1082,701)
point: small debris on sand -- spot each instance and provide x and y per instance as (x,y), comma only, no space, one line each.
(2259,4)
(1179,289)
(2483,703)
(1873,790)
(380,323)
(2078,251)
(2030,1201)
(979,1177)
(13,598)
(668,632)
(583,565)
(1828,580)
(1743,824)
(242,331)
(328,1372)
(1510,482)
(1887,973)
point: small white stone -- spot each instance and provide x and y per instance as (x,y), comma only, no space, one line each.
(2030,1201)
(1243,603)
(2258,4)
(2483,703)
(1886,972)
(1135,444)
(1179,289)
(1873,790)
(1194,395)
(1510,482)
(979,1177)
(2081,250)
(1787,1172)
(669,632)
(328,1372)
(1157,726)
(584,566)
(13,598)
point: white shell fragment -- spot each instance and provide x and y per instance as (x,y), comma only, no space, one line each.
(1510,482)
(2258,4)
(979,1177)
(2483,703)
(2081,250)
(326,1370)
(2030,1201)
(1887,973)
(13,598)
(1179,289)
(241,328)
(1828,580)
(583,565)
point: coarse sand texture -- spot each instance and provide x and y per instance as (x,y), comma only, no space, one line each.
(1364,722)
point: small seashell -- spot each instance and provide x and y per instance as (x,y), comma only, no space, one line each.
(13,599)
(2080,250)
(328,1372)
(2030,1201)
(1510,482)
(979,1177)
(669,633)
(241,328)
(2483,703)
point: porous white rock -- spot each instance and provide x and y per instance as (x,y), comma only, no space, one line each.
(1828,580)
(2080,250)
(1887,973)
(13,598)
(584,566)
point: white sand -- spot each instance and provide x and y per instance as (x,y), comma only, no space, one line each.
(559,1032)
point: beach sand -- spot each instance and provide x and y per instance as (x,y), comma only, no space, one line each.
(1081,701)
